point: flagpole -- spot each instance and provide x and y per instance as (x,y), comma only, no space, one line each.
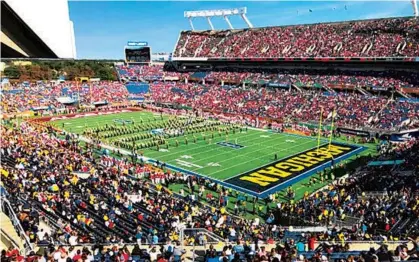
(78,91)
(320,127)
(90,90)
(331,128)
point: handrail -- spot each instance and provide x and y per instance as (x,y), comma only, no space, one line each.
(11,240)
(330,242)
(217,239)
(16,223)
(50,223)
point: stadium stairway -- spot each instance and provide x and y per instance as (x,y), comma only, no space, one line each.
(297,88)
(328,89)
(9,236)
(405,95)
(363,91)
(8,161)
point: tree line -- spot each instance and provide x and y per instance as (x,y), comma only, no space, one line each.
(51,70)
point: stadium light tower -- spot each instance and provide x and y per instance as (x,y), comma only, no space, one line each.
(225,13)
(415,8)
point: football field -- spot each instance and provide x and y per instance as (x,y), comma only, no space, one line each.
(254,161)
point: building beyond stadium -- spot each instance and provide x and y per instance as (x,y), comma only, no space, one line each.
(36,29)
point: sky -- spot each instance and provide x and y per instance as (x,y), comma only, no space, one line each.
(102,29)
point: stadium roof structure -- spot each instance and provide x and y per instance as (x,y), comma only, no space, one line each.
(415,8)
(225,13)
(27,30)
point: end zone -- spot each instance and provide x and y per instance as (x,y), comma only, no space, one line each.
(278,175)
(282,173)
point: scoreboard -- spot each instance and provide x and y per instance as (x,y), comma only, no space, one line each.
(137,53)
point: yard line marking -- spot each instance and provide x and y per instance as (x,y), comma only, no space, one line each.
(258,145)
(217,148)
(186,157)
(227,152)
(187,164)
(253,151)
(203,146)
(213,164)
(253,160)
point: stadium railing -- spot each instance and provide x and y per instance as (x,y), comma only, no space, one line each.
(307,229)
(353,245)
(374,194)
(207,236)
(348,223)
(6,238)
(7,208)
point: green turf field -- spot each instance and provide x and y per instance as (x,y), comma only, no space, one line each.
(224,158)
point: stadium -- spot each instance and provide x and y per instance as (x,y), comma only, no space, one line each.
(280,143)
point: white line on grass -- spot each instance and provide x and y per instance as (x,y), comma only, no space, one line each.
(217,148)
(203,146)
(254,159)
(251,145)
(105,118)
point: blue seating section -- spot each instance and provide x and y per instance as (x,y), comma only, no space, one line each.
(199,75)
(138,88)
(177,90)
(13,91)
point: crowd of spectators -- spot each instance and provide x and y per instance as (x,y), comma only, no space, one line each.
(39,96)
(352,109)
(385,216)
(41,175)
(381,203)
(87,196)
(91,198)
(390,37)
(291,251)
(146,73)
(292,106)
(308,77)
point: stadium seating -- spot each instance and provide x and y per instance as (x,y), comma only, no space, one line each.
(45,96)
(40,174)
(352,109)
(103,203)
(146,73)
(392,37)
(135,88)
